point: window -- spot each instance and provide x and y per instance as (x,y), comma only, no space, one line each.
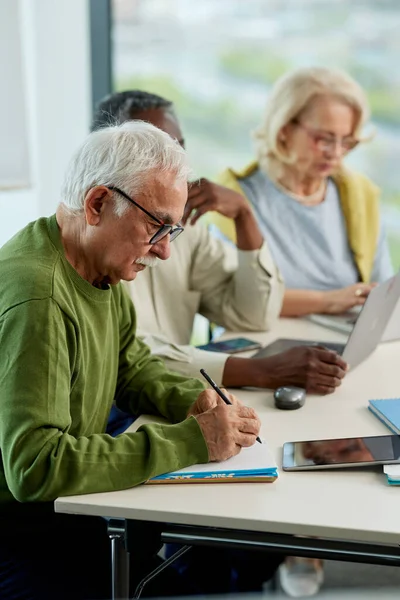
(217,59)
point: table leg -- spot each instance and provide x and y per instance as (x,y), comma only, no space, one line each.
(119,561)
(139,588)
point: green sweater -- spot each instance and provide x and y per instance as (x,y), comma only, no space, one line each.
(68,351)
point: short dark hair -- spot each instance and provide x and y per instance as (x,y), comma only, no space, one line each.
(123,106)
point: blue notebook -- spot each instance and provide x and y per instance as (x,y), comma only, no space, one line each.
(254,464)
(388,411)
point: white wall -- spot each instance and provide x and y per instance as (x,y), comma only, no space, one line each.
(57,84)
(14,161)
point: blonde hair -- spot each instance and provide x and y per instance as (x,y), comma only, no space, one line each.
(290,96)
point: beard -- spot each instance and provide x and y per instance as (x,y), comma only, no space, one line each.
(147,261)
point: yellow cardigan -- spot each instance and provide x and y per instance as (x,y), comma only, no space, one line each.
(360,203)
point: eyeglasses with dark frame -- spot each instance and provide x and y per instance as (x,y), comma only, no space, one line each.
(325,141)
(164,230)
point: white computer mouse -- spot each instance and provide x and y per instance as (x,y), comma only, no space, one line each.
(289,397)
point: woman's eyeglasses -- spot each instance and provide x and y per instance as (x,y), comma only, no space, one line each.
(164,230)
(325,141)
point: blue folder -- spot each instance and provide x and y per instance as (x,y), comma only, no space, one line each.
(388,411)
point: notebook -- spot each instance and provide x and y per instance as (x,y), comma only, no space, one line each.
(392,473)
(254,465)
(388,411)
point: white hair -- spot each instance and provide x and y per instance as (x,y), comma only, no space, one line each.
(291,95)
(122,156)
(148,261)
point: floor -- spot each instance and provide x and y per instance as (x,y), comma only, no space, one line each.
(377,593)
(352,581)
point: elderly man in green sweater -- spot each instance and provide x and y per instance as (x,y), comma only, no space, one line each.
(69,351)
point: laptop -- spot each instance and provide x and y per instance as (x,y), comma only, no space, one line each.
(343,323)
(366,332)
(392,330)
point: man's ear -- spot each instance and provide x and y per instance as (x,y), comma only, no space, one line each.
(95,203)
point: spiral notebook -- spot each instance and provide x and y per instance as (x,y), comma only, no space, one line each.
(252,465)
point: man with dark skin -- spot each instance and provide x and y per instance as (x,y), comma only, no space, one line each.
(196,279)
(197,268)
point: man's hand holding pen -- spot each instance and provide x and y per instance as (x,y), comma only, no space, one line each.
(226,428)
(209,399)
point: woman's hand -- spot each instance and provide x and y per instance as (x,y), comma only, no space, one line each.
(338,301)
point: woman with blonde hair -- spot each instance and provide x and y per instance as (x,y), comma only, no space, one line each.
(321,220)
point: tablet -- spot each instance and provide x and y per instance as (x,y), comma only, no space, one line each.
(341,453)
(231,346)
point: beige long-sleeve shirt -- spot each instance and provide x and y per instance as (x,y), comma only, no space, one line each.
(238,290)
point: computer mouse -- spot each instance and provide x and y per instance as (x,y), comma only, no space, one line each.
(289,397)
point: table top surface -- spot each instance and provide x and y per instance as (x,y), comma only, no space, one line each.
(348,504)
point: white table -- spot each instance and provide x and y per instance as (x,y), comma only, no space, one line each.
(343,506)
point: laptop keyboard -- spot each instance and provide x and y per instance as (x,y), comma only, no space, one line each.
(332,346)
(280,345)
(352,320)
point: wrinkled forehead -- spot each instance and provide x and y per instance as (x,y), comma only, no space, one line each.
(331,113)
(164,196)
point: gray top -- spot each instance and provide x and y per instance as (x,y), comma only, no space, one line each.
(309,243)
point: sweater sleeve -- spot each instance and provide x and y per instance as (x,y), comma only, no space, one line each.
(42,458)
(186,360)
(240,290)
(145,385)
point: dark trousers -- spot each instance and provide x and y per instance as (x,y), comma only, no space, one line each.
(61,557)
(47,556)
(213,570)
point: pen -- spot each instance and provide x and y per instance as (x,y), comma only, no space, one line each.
(219,392)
